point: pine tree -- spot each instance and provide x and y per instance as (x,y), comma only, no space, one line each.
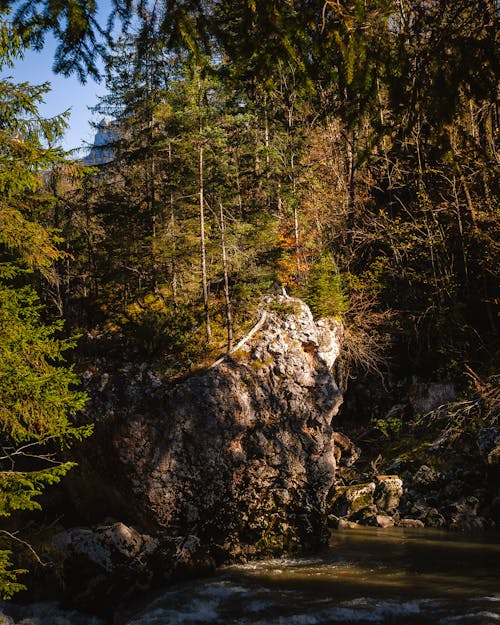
(37,398)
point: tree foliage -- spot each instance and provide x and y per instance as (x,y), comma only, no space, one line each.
(37,396)
(363,132)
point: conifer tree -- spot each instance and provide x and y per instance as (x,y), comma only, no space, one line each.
(37,396)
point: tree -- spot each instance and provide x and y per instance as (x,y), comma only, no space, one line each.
(364,130)
(37,396)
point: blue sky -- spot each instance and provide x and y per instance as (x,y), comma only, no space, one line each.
(66,93)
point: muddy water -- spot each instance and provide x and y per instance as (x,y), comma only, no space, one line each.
(396,577)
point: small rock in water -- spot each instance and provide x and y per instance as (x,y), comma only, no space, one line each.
(344,524)
(384,521)
(411,523)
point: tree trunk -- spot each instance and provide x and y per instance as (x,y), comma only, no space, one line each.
(203,249)
(229,317)
(173,265)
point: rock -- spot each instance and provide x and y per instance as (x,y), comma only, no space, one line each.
(411,523)
(464,515)
(398,411)
(6,620)
(346,453)
(107,564)
(347,525)
(425,477)
(495,509)
(333,521)
(181,558)
(388,492)
(347,500)
(46,613)
(425,397)
(105,544)
(240,455)
(432,517)
(366,516)
(104,564)
(384,521)
(488,440)
(494,456)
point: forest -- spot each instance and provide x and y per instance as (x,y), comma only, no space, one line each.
(344,151)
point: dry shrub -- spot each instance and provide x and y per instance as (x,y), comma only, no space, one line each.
(365,342)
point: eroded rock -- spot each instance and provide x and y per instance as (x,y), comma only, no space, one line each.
(388,492)
(240,455)
(349,500)
(108,563)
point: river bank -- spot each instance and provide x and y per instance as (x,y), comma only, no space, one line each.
(369,575)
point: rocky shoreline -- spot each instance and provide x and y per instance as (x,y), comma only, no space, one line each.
(241,461)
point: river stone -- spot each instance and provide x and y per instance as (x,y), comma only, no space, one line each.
(411,523)
(6,620)
(493,457)
(426,477)
(346,452)
(348,500)
(240,455)
(105,545)
(383,520)
(495,509)
(464,515)
(388,492)
(488,440)
(106,564)
(344,524)
(365,516)
(432,517)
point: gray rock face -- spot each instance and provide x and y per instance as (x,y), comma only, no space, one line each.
(108,563)
(241,455)
(102,150)
(425,397)
(105,545)
(489,444)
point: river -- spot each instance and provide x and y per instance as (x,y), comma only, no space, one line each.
(384,576)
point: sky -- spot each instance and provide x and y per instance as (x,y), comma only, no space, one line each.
(66,93)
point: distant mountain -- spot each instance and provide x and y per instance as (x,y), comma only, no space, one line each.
(102,151)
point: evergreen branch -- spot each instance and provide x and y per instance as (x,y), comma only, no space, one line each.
(26,544)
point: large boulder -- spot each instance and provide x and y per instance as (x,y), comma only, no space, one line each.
(240,455)
(104,565)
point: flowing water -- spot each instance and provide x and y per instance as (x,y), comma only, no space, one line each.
(390,577)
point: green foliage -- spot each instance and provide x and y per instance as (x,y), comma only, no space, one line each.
(362,131)
(171,335)
(324,292)
(36,402)
(9,576)
(284,307)
(18,489)
(391,425)
(316,149)
(37,396)
(74,24)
